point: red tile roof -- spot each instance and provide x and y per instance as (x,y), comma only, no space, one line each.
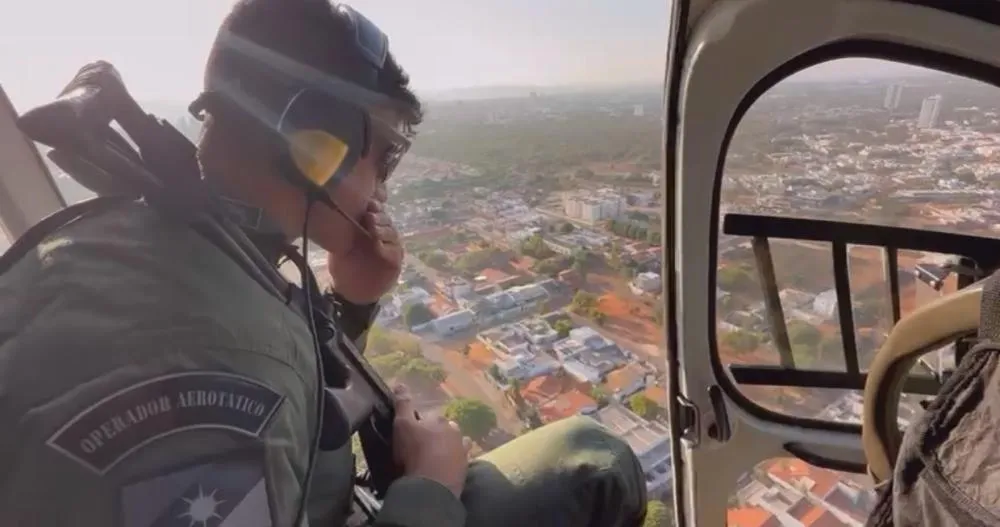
(566,405)
(792,470)
(747,517)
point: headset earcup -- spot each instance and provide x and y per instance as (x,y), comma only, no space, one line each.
(325,137)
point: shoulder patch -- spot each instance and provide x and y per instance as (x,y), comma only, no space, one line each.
(114,427)
(227,492)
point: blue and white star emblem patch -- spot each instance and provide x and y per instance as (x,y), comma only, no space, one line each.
(231,492)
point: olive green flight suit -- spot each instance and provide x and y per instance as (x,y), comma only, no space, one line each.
(147,381)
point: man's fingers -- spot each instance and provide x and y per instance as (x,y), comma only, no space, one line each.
(381,194)
(404,401)
(387,235)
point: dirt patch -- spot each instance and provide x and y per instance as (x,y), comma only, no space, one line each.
(629,317)
(480,356)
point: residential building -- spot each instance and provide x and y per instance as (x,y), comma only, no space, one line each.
(454,322)
(587,355)
(892,96)
(411,296)
(567,404)
(627,381)
(930,109)
(825,304)
(525,366)
(650,441)
(646,283)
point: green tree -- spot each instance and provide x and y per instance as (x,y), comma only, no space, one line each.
(475,418)
(422,370)
(417,314)
(550,266)
(830,347)
(583,300)
(644,406)
(535,247)
(740,340)
(566,228)
(736,279)
(435,259)
(563,327)
(658,514)
(382,340)
(600,395)
(803,334)
(388,365)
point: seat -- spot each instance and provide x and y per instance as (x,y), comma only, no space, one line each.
(943,320)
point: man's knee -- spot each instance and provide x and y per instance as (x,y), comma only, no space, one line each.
(604,455)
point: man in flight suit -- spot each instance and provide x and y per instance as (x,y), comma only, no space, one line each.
(146,380)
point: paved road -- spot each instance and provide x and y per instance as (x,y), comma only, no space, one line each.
(422,268)
(468,382)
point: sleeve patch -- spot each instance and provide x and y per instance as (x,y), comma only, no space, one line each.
(108,431)
(230,492)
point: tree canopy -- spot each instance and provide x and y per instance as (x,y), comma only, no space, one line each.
(475,418)
(417,314)
(644,406)
(658,514)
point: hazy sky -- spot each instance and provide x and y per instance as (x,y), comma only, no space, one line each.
(160,46)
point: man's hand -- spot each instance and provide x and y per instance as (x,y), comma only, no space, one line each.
(432,449)
(372,266)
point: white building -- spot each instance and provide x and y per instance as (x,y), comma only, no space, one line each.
(825,304)
(929,111)
(453,322)
(892,96)
(412,296)
(593,209)
(457,287)
(526,366)
(650,441)
(646,283)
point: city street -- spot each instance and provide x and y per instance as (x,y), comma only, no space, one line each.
(467,381)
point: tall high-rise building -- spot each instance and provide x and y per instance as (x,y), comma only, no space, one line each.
(892,95)
(929,111)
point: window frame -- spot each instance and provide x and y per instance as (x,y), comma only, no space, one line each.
(28,193)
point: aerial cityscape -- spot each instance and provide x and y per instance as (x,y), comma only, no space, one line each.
(532,292)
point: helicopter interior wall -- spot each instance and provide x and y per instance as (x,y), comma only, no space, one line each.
(719,75)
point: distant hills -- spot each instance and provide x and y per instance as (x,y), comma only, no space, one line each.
(517,91)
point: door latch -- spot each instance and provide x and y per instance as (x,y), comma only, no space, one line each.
(689,421)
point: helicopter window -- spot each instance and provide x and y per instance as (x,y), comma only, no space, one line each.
(832,181)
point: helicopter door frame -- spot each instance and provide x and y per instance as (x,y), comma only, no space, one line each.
(27,191)
(717,432)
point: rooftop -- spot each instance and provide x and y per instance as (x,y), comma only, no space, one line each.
(545,388)
(566,405)
(626,377)
(641,435)
(748,517)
